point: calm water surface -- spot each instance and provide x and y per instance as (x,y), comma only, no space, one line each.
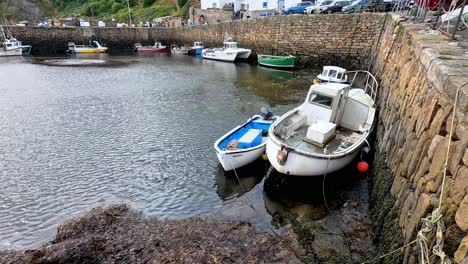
(127,129)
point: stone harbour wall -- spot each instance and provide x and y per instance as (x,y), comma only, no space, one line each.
(338,39)
(420,72)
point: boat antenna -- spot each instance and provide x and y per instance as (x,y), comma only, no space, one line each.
(129,13)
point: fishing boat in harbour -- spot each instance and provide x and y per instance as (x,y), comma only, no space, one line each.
(156,48)
(333,74)
(245,143)
(287,61)
(197,48)
(10,46)
(228,53)
(95,47)
(327,131)
(179,50)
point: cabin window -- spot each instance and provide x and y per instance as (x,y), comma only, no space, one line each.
(265,4)
(9,45)
(325,73)
(321,99)
(333,73)
(214,5)
(339,75)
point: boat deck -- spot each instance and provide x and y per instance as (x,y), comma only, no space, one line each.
(342,139)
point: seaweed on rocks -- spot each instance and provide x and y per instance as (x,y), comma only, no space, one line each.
(119,234)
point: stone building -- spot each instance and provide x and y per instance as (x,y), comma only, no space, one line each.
(169,21)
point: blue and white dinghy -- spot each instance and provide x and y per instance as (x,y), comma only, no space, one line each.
(245,143)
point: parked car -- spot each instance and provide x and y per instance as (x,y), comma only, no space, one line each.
(299,8)
(354,6)
(335,7)
(322,7)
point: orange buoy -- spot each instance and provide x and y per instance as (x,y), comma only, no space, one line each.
(362,167)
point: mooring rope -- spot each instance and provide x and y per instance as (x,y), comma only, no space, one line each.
(434,220)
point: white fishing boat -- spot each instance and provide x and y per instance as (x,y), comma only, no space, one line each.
(229,52)
(10,46)
(245,143)
(333,74)
(96,47)
(327,131)
(179,50)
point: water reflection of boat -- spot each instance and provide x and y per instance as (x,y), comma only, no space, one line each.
(281,74)
(227,184)
(326,132)
(245,143)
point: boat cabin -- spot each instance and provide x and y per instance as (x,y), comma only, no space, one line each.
(230,45)
(11,44)
(198,44)
(157,45)
(333,74)
(330,107)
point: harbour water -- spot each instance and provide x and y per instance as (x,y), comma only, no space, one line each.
(81,132)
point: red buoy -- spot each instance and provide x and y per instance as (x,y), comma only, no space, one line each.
(362,167)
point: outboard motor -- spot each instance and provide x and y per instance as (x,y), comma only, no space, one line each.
(266,113)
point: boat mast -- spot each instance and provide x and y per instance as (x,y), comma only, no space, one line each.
(129,14)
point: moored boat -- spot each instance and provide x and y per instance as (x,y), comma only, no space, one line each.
(156,48)
(327,131)
(228,53)
(179,50)
(197,48)
(245,143)
(95,47)
(333,74)
(287,61)
(10,46)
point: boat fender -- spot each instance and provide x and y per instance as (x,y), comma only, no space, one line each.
(282,156)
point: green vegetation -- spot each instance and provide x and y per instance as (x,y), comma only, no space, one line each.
(118,9)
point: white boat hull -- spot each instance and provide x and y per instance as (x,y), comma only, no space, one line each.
(235,160)
(219,55)
(226,55)
(14,52)
(302,165)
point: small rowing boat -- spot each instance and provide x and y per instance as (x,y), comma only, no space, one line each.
(245,143)
(287,61)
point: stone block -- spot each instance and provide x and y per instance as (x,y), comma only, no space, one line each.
(461,217)
(465,158)
(460,186)
(453,84)
(457,151)
(422,208)
(434,143)
(461,255)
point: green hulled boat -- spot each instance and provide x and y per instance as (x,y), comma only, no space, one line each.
(287,61)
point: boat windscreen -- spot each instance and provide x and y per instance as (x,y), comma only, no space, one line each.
(321,99)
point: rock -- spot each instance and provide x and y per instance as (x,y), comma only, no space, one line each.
(460,185)
(438,159)
(435,142)
(462,251)
(329,245)
(453,237)
(457,151)
(461,217)
(420,211)
(465,158)
(421,171)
